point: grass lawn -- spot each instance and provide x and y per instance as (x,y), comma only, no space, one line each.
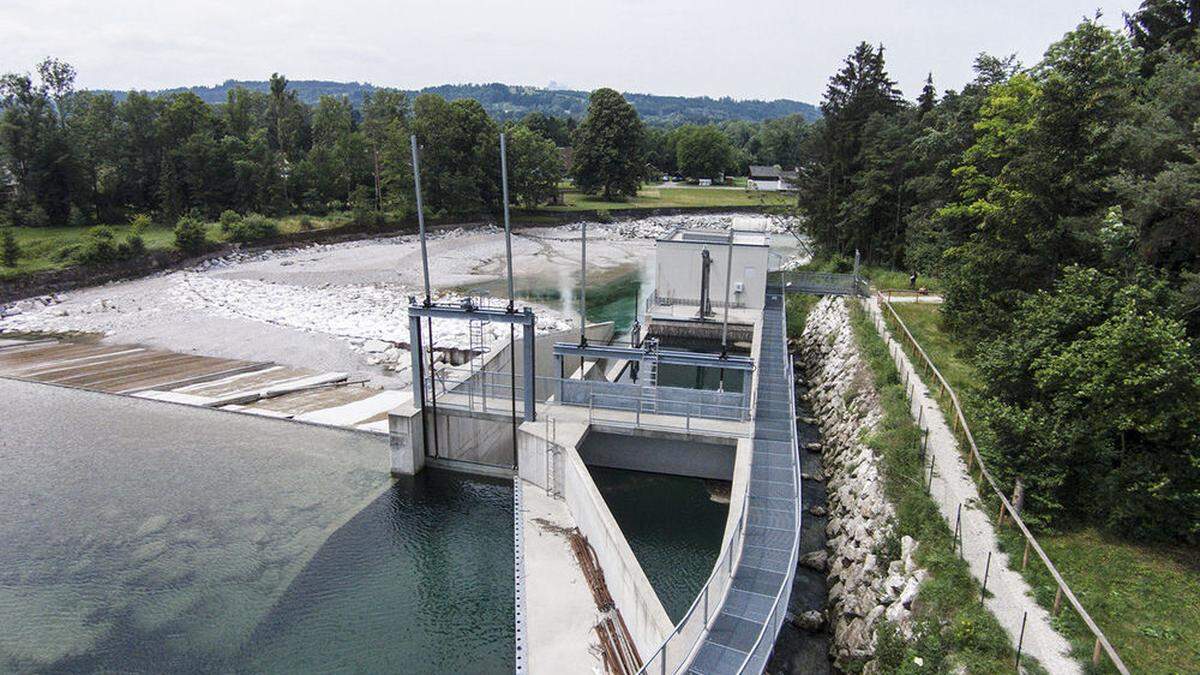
(672,197)
(1146,598)
(49,248)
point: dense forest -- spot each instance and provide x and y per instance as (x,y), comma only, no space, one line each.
(508,102)
(82,158)
(1059,203)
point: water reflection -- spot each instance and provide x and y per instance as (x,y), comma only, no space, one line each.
(421,580)
(673,526)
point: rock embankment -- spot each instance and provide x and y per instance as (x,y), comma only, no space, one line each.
(872,576)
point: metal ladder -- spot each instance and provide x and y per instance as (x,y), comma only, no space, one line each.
(649,376)
(475,365)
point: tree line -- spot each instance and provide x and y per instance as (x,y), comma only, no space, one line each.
(72,157)
(1059,204)
(77,158)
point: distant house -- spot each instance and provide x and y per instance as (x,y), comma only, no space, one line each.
(772,178)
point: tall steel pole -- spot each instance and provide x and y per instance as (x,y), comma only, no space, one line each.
(428,293)
(421,219)
(583,290)
(728,279)
(512,340)
(507,225)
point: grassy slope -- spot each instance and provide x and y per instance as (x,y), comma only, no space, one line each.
(1146,599)
(953,626)
(42,247)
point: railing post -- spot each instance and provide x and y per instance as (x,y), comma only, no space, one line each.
(1096,653)
(1057,600)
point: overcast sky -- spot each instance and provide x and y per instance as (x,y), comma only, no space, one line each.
(739,48)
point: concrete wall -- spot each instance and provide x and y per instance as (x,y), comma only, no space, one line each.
(627,583)
(460,437)
(677,272)
(659,455)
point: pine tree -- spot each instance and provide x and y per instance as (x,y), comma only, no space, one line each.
(928,98)
(9,249)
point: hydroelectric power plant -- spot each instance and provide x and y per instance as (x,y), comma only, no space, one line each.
(621,495)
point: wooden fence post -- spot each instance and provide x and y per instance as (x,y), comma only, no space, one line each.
(1096,653)
(1025,558)
(1057,601)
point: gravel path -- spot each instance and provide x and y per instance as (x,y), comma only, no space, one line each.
(1011,598)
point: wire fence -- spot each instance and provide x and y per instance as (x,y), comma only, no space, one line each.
(962,432)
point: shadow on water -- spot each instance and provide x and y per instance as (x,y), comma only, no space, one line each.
(797,650)
(673,526)
(420,580)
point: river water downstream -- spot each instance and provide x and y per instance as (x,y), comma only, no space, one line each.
(144,537)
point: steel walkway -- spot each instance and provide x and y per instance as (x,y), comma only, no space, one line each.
(742,635)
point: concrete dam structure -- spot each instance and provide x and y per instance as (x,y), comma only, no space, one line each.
(702,387)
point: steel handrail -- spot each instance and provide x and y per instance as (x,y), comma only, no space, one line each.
(1006,506)
(794,557)
(727,553)
(774,618)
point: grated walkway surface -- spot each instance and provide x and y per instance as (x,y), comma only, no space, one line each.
(737,640)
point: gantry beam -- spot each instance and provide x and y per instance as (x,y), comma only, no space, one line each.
(680,358)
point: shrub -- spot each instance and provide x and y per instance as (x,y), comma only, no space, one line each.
(10,251)
(306,224)
(134,245)
(604,216)
(99,247)
(34,216)
(840,263)
(77,218)
(190,235)
(252,228)
(228,219)
(367,217)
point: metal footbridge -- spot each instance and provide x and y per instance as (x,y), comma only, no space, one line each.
(733,624)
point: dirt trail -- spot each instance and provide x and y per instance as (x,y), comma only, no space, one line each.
(1011,598)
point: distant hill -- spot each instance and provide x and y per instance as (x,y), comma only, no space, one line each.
(504,101)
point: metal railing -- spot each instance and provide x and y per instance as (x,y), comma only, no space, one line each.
(492,391)
(655,300)
(975,460)
(825,283)
(677,649)
(646,415)
(779,605)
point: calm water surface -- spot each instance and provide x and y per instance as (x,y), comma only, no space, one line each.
(143,537)
(673,527)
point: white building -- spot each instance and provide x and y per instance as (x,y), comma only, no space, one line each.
(679,268)
(771,178)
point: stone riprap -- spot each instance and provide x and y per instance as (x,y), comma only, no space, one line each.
(864,590)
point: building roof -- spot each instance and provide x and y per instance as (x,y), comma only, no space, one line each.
(758,171)
(706,236)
